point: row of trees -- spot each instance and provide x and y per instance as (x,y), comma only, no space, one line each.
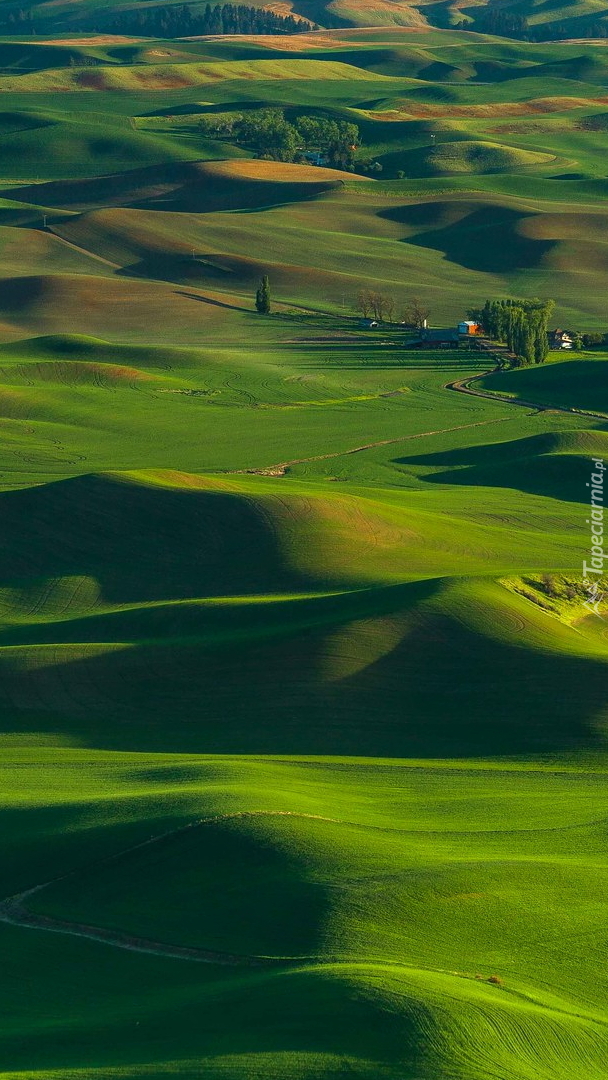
(271,135)
(522,324)
(578,27)
(512,24)
(184,21)
(500,22)
(383,308)
(592,340)
(170,22)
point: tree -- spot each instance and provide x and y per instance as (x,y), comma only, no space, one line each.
(378,303)
(417,314)
(364,302)
(262,296)
(389,308)
(377,306)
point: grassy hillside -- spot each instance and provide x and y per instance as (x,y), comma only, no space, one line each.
(302,692)
(574,382)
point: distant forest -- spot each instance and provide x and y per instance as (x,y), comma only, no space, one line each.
(511,24)
(177,22)
(173,22)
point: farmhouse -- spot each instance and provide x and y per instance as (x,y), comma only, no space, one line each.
(560,339)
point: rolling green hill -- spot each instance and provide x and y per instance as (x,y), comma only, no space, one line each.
(302,689)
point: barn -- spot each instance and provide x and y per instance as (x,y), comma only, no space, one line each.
(437,339)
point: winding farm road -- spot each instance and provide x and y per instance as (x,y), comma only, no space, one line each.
(463,386)
(14,912)
(13,909)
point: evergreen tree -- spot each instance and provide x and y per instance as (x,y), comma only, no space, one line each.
(262,296)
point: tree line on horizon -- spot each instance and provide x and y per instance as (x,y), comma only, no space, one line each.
(183,21)
(170,22)
(501,22)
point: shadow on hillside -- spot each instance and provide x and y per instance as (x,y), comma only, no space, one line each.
(513,450)
(581,384)
(18,293)
(181,187)
(484,239)
(442,691)
(554,476)
(530,465)
(202,270)
(214,871)
(213,303)
(32,860)
(142,543)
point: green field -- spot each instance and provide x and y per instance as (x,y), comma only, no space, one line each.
(303,717)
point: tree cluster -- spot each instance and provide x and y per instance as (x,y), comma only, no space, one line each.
(501,23)
(184,21)
(272,136)
(593,28)
(375,305)
(512,24)
(522,324)
(382,308)
(594,340)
